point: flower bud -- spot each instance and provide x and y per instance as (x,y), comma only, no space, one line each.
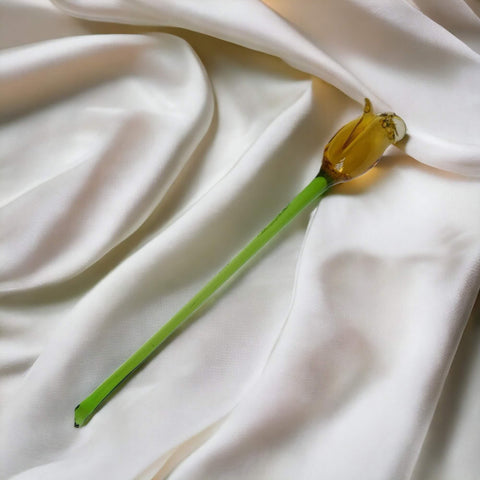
(358,146)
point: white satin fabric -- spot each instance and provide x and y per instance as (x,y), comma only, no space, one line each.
(142,144)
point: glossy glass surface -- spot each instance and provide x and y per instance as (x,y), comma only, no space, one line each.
(358,145)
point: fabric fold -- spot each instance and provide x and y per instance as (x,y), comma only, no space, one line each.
(394,53)
(126,166)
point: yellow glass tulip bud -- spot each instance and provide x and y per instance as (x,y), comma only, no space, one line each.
(358,145)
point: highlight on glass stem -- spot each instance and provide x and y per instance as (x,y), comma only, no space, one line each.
(351,152)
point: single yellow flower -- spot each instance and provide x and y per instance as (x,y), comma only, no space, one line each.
(353,150)
(359,144)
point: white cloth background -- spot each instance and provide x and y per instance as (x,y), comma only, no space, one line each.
(142,144)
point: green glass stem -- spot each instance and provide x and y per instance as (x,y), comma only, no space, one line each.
(88,406)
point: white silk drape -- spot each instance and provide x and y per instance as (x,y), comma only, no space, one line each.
(142,144)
